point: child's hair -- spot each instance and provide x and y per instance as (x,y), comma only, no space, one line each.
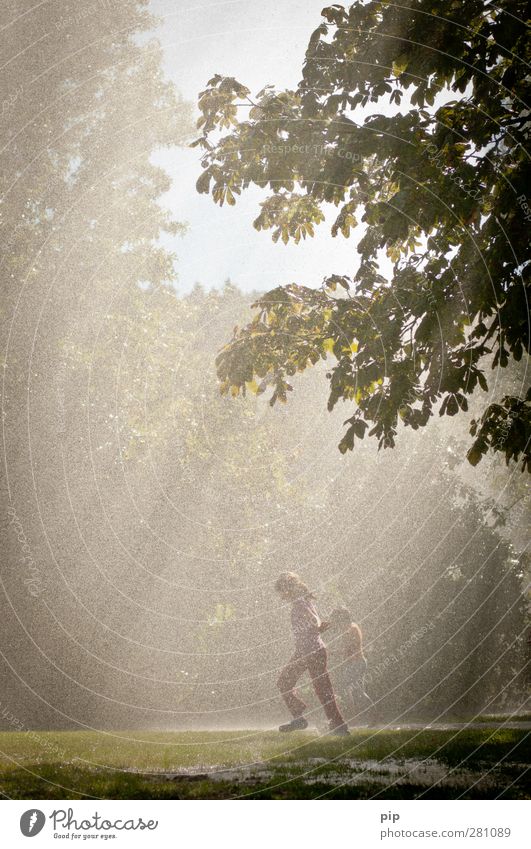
(293,585)
(341,616)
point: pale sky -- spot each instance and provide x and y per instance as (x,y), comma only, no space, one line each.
(258,43)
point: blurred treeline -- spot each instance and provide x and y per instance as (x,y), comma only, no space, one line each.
(162,512)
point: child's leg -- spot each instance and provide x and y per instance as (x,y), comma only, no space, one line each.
(360,700)
(286,684)
(317,665)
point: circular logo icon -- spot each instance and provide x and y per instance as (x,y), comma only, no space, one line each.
(31,822)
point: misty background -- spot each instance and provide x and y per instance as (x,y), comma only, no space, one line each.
(144,517)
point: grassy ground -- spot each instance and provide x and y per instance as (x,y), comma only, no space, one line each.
(474,763)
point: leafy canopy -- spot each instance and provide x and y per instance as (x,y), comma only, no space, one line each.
(411,121)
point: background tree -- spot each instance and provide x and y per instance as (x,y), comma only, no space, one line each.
(413,122)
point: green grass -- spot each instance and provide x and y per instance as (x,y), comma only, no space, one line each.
(473,763)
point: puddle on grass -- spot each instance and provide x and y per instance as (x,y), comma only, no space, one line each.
(420,773)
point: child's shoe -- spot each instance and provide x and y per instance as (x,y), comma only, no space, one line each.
(297,724)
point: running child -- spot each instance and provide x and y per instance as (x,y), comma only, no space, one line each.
(310,655)
(350,663)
